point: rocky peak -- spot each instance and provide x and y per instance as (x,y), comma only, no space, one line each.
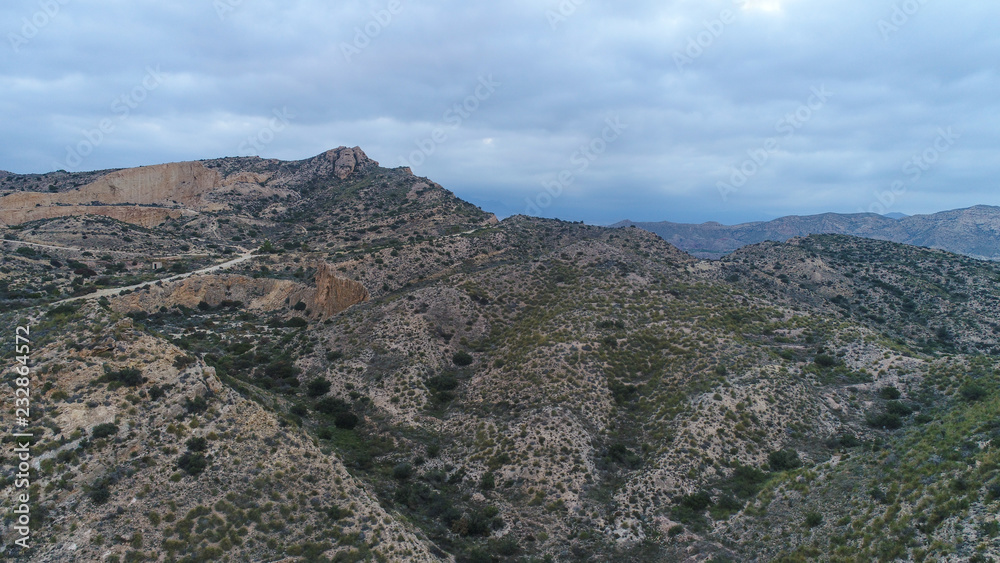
(343,161)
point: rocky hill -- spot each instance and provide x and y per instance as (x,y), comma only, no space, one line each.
(974,231)
(384,372)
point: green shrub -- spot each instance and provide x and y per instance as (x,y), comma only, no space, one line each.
(332,405)
(345,420)
(104,430)
(889,393)
(197,444)
(784,460)
(402,471)
(318,387)
(884,420)
(192,463)
(973,392)
(813,519)
(825,361)
(897,408)
(462,358)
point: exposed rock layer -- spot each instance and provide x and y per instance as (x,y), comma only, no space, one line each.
(331,295)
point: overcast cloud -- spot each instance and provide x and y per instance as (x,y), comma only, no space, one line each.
(581,109)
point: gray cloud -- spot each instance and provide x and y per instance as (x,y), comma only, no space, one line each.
(356,73)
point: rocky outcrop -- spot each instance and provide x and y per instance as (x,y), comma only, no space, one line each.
(137,215)
(333,294)
(330,296)
(346,161)
(144,196)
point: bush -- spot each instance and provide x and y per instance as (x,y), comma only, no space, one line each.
(130,377)
(402,471)
(488,482)
(296,322)
(462,358)
(192,463)
(746,481)
(784,460)
(198,444)
(331,405)
(898,408)
(104,430)
(973,392)
(825,361)
(196,405)
(813,519)
(346,420)
(318,387)
(884,420)
(889,393)
(99,493)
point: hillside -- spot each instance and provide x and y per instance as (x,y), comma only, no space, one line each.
(973,232)
(392,374)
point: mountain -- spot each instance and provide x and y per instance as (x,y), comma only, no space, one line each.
(974,231)
(326,360)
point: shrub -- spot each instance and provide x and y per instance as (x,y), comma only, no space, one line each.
(99,493)
(332,405)
(825,361)
(783,460)
(345,420)
(198,444)
(889,393)
(488,481)
(196,405)
(462,358)
(972,392)
(402,471)
(130,377)
(884,420)
(898,408)
(104,430)
(318,387)
(192,463)
(296,322)
(813,519)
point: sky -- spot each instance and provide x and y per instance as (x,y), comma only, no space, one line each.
(583,110)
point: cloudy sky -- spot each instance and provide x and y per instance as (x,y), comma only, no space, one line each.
(729,110)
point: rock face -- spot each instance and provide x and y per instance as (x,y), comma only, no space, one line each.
(346,161)
(334,294)
(331,295)
(169,187)
(151,194)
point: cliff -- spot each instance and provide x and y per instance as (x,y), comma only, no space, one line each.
(330,296)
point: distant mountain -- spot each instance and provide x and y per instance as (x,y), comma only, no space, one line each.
(896,215)
(974,231)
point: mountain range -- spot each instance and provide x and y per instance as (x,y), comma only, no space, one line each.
(974,231)
(247,359)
